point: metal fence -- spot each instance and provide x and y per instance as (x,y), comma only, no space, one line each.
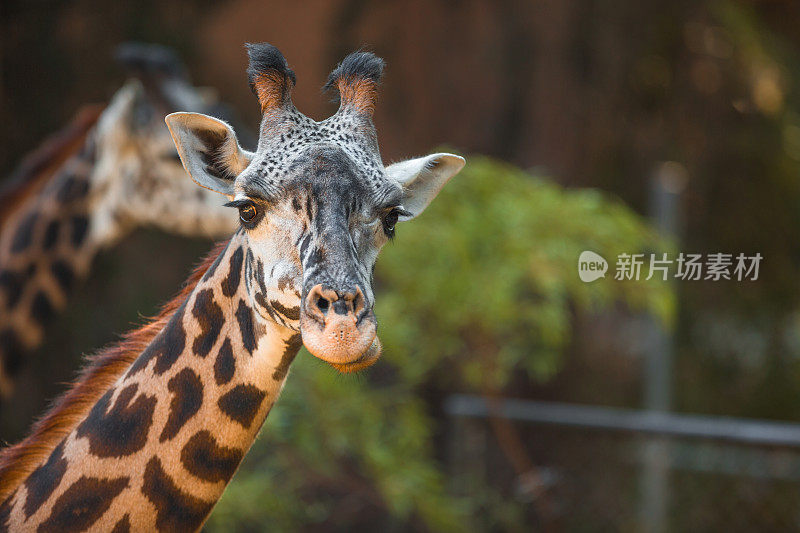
(602,469)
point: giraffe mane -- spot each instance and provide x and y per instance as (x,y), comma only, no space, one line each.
(38,166)
(18,461)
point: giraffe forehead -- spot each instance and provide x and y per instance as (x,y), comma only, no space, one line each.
(342,150)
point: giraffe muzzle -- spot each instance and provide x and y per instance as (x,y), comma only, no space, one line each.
(339,328)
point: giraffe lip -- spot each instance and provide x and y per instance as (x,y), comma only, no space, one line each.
(340,340)
(367,359)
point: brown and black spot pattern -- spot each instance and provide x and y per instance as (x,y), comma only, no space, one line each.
(165,348)
(187,397)
(52,237)
(242,403)
(209,317)
(72,188)
(262,302)
(204,458)
(123,525)
(289,352)
(225,365)
(51,234)
(79,226)
(23,237)
(290,313)
(11,284)
(122,430)
(5,512)
(231,283)
(213,268)
(249,269)
(175,510)
(63,274)
(41,308)
(244,315)
(44,480)
(285,282)
(82,504)
(256,272)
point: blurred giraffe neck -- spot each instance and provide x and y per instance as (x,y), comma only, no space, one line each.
(167,427)
(45,245)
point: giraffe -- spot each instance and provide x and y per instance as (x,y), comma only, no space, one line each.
(151,434)
(112,170)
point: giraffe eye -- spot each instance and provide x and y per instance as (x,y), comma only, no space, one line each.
(247,212)
(389,221)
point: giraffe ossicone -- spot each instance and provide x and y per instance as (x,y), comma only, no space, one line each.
(152,432)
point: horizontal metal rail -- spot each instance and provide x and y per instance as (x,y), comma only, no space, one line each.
(736,430)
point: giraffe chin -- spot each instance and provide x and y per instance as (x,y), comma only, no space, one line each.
(367,359)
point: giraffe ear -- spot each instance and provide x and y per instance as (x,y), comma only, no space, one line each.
(423,178)
(209,150)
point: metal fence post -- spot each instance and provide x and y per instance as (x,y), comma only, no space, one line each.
(667,182)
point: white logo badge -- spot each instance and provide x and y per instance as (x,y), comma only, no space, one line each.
(591,266)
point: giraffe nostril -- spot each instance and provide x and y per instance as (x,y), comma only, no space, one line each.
(359,304)
(323,304)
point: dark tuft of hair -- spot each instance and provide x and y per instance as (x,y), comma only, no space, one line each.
(144,58)
(359,64)
(264,57)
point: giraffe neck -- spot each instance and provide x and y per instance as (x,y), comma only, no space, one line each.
(46,245)
(158,447)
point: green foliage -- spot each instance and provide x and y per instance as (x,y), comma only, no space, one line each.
(491,270)
(481,286)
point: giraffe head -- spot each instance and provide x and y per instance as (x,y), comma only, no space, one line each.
(138,179)
(315,201)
